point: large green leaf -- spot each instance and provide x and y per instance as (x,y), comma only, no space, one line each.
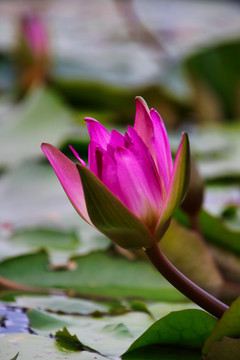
(188,328)
(96,273)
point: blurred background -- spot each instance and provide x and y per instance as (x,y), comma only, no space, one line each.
(63,60)
(182,56)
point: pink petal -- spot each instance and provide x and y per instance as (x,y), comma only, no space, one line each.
(77,156)
(68,175)
(110,216)
(97,132)
(127,140)
(109,176)
(142,153)
(116,139)
(95,154)
(139,186)
(143,123)
(162,148)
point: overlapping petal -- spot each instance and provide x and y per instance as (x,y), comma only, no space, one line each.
(68,176)
(143,123)
(139,186)
(97,132)
(162,148)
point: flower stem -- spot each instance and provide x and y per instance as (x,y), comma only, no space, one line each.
(183,284)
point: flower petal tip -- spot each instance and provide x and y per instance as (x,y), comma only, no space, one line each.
(141,100)
(45,147)
(89,119)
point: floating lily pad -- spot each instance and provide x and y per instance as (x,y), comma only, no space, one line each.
(41,117)
(109,335)
(98,274)
(30,347)
(215,230)
(32,219)
(61,304)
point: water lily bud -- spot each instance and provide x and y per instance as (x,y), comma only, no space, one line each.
(131,186)
(32,51)
(193,201)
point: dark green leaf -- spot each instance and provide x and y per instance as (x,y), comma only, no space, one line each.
(163,352)
(184,328)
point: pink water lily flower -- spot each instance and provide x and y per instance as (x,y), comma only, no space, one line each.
(34,35)
(131,187)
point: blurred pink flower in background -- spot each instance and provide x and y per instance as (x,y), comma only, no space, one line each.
(32,51)
(34,34)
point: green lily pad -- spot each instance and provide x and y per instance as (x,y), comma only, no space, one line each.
(59,244)
(215,230)
(223,201)
(97,273)
(115,335)
(41,117)
(30,347)
(108,335)
(46,219)
(225,164)
(63,304)
(188,328)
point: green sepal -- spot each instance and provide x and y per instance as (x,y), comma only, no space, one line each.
(178,186)
(111,216)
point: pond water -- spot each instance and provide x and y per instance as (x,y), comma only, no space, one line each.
(13,320)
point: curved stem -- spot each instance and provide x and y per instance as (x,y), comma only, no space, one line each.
(183,284)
